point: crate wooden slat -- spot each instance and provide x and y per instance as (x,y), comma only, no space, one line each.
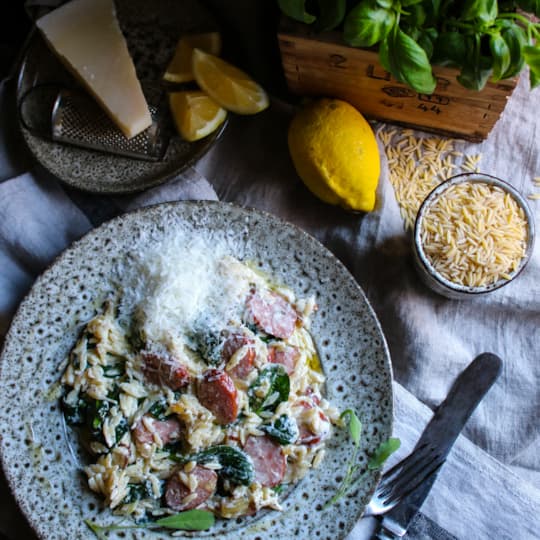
(324,66)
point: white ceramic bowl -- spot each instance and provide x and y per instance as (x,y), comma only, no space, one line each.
(430,276)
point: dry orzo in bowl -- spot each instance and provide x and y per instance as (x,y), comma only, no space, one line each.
(473,234)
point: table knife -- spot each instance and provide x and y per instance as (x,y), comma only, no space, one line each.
(441,432)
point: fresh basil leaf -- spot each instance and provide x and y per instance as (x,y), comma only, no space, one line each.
(427,39)
(408,3)
(516,40)
(190,520)
(274,383)
(409,63)
(532,57)
(284,429)
(355,426)
(485,11)
(385,4)
(450,49)
(501,56)
(296,9)
(385,450)
(367,24)
(473,77)
(331,14)
(530,6)
(433,9)
(236,465)
(416,15)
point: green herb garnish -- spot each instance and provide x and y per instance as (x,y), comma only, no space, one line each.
(382,453)
(191,520)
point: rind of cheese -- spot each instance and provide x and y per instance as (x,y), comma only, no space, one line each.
(86,36)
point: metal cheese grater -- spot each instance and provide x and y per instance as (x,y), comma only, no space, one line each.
(77,119)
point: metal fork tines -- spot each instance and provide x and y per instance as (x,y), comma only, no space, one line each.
(403,478)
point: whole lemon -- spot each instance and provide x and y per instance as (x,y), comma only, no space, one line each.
(335,153)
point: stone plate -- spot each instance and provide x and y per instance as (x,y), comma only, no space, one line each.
(36,450)
(152,32)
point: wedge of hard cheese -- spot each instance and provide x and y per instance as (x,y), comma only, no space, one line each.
(85,34)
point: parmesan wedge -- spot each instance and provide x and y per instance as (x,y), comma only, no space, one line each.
(85,34)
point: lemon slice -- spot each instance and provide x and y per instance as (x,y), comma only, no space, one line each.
(195,114)
(179,69)
(228,85)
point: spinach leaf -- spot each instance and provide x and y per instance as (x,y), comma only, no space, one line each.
(137,492)
(121,429)
(75,415)
(485,11)
(269,389)
(236,465)
(97,412)
(284,429)
(532,57)
(158,409)
(407,61)
(501,56)
(368,24)
(383,452)
(331,14)
(296,9)
(208,344)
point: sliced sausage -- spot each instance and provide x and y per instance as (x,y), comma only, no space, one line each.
(244,366)
(179,497)
(269,461)
(286,356)
(168,430)
(164,370)
(216,391)
(273,314)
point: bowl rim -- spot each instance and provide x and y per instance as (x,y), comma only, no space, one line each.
(473,177)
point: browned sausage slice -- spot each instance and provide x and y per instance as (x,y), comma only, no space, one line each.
(164,370)
(273,314)
(245,365)
(168,430)
(269,461)
(286,356)
(216,391)
(179,497)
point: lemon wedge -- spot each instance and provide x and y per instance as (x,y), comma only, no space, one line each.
(229,86)
(195,114)
(179,69)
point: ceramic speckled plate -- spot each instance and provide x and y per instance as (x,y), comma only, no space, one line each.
(152,32)
(42,472)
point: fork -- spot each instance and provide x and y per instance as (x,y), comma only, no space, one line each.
(403,478)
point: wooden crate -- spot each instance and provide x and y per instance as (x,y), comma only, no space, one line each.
(323,65)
